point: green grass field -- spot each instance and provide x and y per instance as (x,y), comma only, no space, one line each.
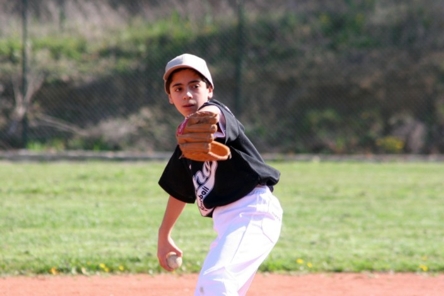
(102,217)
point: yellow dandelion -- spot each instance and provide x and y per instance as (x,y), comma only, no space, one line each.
(102,265)
(309,265)
(53,270)
(299,261)
(423,267)
(121,268)
(106,269)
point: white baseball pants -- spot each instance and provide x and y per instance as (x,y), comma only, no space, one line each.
(247,231)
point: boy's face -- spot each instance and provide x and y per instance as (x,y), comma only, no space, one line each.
(188,92)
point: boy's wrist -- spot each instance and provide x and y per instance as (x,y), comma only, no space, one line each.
(163,233)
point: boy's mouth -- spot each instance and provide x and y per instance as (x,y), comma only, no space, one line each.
(190,104)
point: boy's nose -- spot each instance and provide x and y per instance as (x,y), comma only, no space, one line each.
(187,94)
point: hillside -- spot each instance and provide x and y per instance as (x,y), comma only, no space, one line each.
(304,76)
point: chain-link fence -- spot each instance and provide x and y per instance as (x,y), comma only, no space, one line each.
(318,76)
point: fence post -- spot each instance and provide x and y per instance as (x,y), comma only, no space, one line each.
(239,58)
(24,70)
(62,15)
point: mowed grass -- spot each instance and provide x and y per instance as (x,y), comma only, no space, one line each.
(102,217)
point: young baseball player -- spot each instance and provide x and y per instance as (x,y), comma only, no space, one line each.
(235,190)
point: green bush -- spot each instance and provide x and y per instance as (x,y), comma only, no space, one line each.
(62,46)
(10,50)
(390,144)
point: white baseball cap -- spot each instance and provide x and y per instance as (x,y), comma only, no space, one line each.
(187,60)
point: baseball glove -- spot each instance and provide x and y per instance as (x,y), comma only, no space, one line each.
(195,136)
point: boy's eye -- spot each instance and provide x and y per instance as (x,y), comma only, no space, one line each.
(177,89)
(197,84)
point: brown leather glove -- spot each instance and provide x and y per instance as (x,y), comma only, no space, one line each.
(195,136)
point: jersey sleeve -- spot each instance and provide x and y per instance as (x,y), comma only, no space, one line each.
(231,124)
(176,179)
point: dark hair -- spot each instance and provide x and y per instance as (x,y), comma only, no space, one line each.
(168,82)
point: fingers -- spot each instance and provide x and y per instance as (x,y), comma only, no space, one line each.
(164,264)
(200,128)
(162,257)
(202,120)
(195,138)
(203,115)
(198,147)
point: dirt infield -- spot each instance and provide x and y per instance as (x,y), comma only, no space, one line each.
(343,284)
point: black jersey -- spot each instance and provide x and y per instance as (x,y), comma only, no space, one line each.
(218,183)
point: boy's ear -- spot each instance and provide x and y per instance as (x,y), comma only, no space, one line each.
(210,92)
(170,100)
